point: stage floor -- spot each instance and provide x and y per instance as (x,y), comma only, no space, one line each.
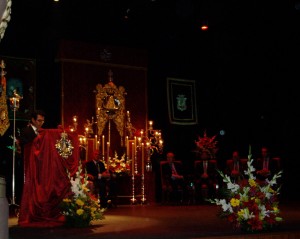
(162,221)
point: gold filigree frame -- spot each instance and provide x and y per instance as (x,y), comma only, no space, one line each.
(110,105)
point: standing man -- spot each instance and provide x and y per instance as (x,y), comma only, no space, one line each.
(29,133)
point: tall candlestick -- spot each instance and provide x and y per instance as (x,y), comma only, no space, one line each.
(143,158)
(107,155)
(132,161)
(134,145)
(103,149)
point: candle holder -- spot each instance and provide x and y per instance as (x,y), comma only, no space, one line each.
(83,147)
(75,124)
(147,144)
(88,128)
(14,105)
(143,199)
(133,199)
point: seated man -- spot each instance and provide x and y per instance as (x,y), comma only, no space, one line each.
(98,174)
(172,172)
(235,167)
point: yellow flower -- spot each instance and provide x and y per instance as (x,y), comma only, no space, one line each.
(257,200)
(79,211)
(234,202)
(271,190)
(67,200)
(79,202)
(252,182)
(240,213)
(276,210)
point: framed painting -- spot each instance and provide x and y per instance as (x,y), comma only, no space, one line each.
(182,105)
(20,74)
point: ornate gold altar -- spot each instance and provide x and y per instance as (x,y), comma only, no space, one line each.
(131,163)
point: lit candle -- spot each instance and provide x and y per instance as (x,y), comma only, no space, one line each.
(103,149)
(107,155)
(96,142)
(143,158)
(134,145)
(127,146)
(150,124)
(132,161)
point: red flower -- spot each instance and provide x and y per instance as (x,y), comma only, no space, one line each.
(255,223)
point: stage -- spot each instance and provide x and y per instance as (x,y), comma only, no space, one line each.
(162,221)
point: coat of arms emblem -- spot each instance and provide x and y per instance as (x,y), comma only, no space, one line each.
(181,102)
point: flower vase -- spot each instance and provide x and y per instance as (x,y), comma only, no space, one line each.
(205,164)
(205,158)
(79,222)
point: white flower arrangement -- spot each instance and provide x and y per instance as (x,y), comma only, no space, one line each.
(250,204)
(119,166)
(80,207)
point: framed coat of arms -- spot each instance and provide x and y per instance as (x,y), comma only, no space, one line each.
(182,105)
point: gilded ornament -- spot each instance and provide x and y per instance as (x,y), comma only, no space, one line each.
(64,146)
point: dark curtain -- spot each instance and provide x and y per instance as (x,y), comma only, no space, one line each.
(46,180)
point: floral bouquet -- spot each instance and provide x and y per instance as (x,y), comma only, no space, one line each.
(80,207)
(251,205)
(119,166)
(207,145)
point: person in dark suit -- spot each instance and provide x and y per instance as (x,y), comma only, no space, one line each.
(27,136)
(235,167)
(173,174)
(29,133)
(98,174)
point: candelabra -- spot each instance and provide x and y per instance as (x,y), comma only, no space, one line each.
(146,145)
(83,147)
(14,104)
(88,127)
(75,124)
(154,143)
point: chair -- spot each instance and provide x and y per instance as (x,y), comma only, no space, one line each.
(237,173)
(206,179)
(168,193)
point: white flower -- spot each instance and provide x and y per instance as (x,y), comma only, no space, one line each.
(225,206)
(263,211)
(246,215)
(250,169)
